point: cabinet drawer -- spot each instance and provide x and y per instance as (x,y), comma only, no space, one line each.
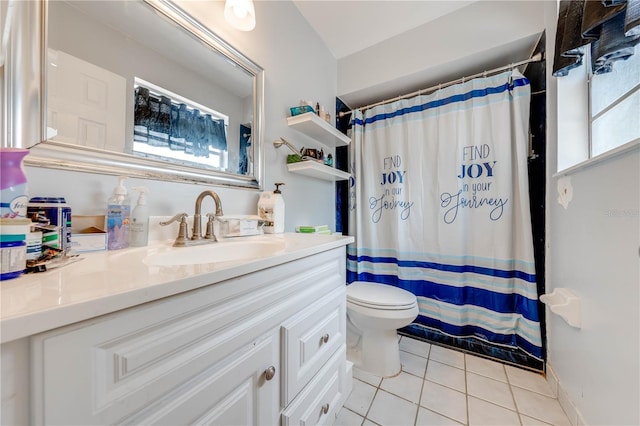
(309,339)
(319,402)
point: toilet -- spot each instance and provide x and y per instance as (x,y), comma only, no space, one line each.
(374,314)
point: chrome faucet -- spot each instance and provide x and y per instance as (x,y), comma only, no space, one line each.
(196,236)
(197,227)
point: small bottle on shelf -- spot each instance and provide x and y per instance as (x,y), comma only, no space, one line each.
(328,161)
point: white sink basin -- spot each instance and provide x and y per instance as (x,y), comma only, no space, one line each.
(225,251)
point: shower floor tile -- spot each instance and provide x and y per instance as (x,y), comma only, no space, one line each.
(440,386)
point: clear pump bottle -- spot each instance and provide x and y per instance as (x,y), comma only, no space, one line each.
(118,217)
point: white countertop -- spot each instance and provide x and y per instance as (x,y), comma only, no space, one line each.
(106,282)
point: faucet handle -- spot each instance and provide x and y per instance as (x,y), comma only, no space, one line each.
(210,235)
(180,216)
(183,235)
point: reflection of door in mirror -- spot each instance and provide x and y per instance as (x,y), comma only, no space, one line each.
(84,103)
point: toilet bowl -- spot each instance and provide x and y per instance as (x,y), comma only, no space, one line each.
(374,314)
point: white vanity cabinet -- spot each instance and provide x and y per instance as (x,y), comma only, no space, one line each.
(267,347)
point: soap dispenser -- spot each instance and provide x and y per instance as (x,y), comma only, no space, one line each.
(271,210)
(118,217)
(139,232)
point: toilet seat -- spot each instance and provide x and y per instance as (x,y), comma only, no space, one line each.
(380,296)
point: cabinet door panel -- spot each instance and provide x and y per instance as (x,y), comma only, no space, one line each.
(310,338)
(234,391)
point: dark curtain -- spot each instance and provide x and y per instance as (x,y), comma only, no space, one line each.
(610,28)
(160,122)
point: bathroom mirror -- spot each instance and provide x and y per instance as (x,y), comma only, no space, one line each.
(142,89)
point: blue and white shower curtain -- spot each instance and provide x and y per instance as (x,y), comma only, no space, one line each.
(439,206)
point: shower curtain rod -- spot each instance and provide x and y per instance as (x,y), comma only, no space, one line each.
(535,58)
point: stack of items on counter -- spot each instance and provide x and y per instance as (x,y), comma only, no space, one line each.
(14,225)
(35,237)
(34,233)
(27,243)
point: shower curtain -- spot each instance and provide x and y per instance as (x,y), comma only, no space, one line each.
(439,207)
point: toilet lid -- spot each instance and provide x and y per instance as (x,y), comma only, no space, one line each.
(379,295)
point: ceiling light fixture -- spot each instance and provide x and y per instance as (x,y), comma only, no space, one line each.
(241,14)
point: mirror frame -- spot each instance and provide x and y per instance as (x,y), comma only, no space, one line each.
(58,155)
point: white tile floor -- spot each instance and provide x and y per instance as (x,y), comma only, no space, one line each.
(439,386)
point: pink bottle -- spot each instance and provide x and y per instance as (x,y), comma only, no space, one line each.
(13,184)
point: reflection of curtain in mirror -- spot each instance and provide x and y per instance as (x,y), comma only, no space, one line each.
(190,120)
(160,122)
(208,136)
(141,115)
(163,124)
(154,111)
(219,135)
(175,143)
(180,128)
(245,145)
(196,132)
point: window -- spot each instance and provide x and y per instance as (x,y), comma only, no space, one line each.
(169,127)
(615,106)
(598,114)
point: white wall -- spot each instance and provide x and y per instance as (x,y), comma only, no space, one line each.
(481,36)
(297,66)
(592,248)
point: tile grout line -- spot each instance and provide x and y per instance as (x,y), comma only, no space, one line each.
(371,403)
(440,384)
(511,386)
(515,403)
(448,387)
(415,420)
(485,399)
(466,388)
(348,409)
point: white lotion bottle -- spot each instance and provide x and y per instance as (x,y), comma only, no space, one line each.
(139,232)
(271,210)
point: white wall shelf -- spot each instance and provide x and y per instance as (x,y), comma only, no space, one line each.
(318,129)
(317,170)
(566,304)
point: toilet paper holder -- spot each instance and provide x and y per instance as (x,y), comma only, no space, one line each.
(566,304)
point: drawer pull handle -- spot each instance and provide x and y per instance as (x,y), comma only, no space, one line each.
(325,408)
(269,373)
(325,338)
